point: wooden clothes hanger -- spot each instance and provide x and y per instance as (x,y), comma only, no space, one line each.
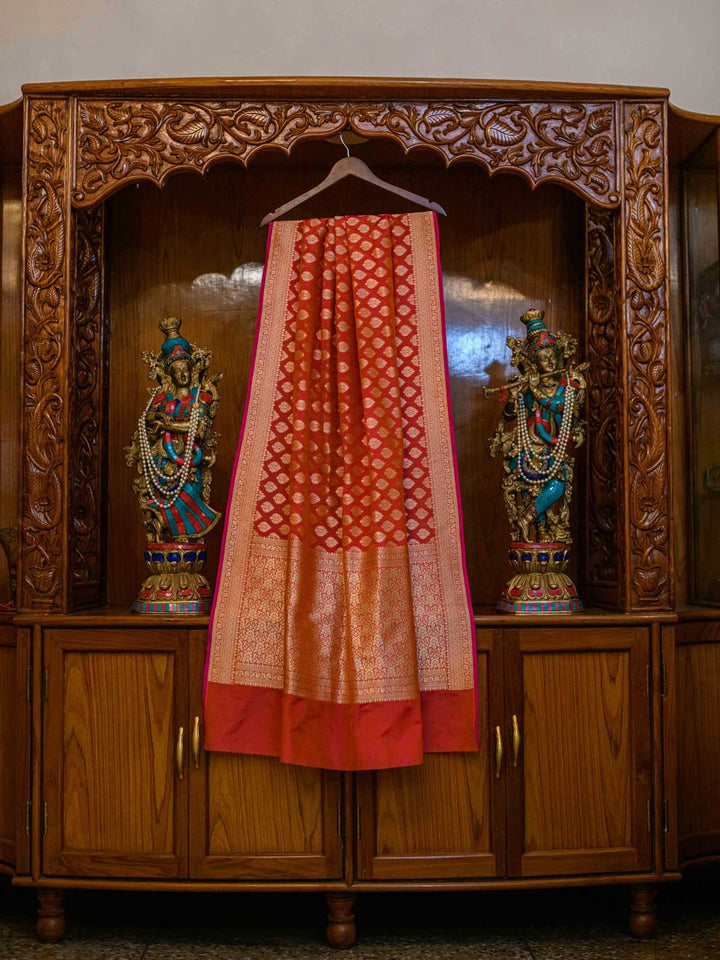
(351,167)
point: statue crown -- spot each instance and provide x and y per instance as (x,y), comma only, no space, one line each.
(170,326)
(175,346)
(538,335)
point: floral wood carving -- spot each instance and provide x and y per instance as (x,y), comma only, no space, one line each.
(86,544)
(646,323)
(120,141)
(45,357)
(570,143)
(602,400)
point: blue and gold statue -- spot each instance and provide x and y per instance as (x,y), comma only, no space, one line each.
(542,407)
(174,448)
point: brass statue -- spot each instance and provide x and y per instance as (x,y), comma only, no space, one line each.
(174,448)
(542,403)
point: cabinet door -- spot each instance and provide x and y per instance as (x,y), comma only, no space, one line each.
(445,818)
(698,744)
(11,754)
(112,756)
(256,818)
(579,794)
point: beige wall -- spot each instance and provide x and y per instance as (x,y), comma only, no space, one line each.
(673,43)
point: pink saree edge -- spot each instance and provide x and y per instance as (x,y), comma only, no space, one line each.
(456,472)
(237,455)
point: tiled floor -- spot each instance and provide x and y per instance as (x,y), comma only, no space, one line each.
(542,925)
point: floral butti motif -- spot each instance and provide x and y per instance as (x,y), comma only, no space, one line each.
(542,403)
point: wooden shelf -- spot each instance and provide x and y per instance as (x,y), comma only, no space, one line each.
(117,616)
(111,616)
(699,612)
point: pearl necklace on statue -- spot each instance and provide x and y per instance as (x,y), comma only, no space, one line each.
(542,470)
(167,489)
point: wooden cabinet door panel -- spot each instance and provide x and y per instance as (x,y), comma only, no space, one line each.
(115,803)
(10,755)
(698,745)
(446,818)
(579,795)
(665,749)
(254,817)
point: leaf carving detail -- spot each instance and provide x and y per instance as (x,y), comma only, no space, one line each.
(194,131)
(499,132)
(436,117)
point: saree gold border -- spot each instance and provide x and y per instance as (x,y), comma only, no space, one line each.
(368,681)
(246,480)
(441,462)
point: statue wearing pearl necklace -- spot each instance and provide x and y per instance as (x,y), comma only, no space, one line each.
(174,450)
(542,409)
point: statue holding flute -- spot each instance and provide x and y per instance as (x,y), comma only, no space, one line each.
(540,424)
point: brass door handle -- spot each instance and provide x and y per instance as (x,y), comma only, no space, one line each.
(516,740)
(498,752)
(196,743)
(180,752)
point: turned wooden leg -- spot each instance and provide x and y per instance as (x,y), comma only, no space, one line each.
(51,915)
(643,919)
(341,931)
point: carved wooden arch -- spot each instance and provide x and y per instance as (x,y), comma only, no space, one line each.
(121,141)
(627,247)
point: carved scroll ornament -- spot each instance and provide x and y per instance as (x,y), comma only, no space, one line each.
(86,397)
(45,357)
(602,402)
(646,320)
(570,143)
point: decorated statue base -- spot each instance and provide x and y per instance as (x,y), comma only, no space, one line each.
(176,584)
(539,583)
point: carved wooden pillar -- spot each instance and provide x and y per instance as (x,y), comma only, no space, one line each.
(643,439)
(88,384)
(61,563)
(601,336)
(42,580)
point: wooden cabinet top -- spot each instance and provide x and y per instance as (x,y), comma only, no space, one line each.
(325,87)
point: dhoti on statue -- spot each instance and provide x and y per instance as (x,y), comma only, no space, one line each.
(342,633)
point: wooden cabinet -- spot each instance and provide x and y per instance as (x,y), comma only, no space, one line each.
(8,745)
(128,790)
(562,782)
(113,763)
(15,749)
(89,267)
(698,747)
(254,817)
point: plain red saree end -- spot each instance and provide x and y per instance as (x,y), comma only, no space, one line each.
(337,736)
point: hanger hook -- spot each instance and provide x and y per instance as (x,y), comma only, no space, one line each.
(342,141)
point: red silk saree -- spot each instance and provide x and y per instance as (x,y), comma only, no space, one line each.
(342,634)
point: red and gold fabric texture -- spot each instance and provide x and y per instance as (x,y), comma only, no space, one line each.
(342,633)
